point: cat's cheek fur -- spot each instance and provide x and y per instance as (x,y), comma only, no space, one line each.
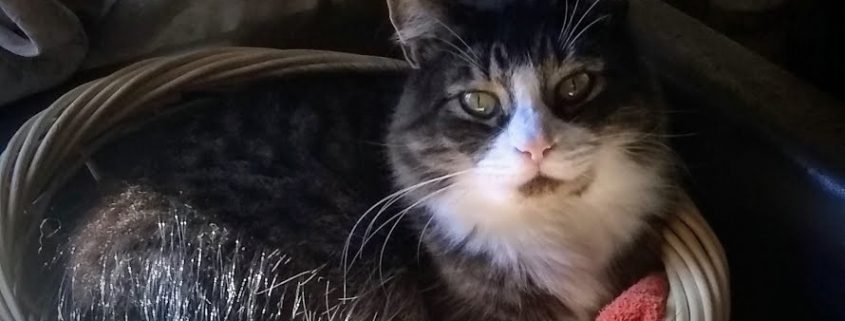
(560,243)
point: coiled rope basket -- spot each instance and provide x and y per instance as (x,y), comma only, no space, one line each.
(53,144)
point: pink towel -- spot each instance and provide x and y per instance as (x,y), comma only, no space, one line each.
(645,301)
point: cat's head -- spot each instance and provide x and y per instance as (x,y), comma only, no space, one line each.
(522,105)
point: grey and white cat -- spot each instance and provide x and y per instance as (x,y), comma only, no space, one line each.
(526,149)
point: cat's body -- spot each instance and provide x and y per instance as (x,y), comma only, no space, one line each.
(206,233)
(526,149)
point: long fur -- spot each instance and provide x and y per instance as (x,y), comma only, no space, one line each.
(562,242)
(276,204)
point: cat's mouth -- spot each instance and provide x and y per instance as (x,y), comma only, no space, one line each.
(542,185)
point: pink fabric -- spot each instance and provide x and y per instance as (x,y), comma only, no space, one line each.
(645,301)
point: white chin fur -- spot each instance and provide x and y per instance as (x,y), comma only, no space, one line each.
(559,240)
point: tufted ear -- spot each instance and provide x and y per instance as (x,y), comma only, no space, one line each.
(416,22)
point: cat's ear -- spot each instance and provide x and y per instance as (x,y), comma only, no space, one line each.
(415,21)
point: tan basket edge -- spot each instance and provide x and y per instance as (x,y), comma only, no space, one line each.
(42,147)
(53,138)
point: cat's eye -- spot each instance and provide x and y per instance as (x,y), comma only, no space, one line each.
(480,104)
(574,89)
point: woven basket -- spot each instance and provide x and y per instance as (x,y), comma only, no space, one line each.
(53,144)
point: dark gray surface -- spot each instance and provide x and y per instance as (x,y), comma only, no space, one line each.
(766,156)
(807,123)
(41,44)
(766,161)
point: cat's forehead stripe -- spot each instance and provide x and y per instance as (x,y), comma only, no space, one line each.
(526,86)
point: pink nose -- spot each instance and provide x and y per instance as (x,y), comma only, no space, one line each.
(535,148)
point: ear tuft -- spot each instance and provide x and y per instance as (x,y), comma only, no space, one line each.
(414,21)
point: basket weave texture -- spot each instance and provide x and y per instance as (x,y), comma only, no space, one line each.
(53,144)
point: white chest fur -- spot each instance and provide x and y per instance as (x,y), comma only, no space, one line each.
(562,243)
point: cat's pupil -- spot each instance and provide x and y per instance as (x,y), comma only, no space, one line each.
(479,104)
(574,89)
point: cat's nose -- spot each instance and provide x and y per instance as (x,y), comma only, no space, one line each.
(536,148)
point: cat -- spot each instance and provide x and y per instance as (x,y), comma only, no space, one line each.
(525,152)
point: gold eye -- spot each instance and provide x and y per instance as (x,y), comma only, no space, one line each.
(480,104)
(574,89)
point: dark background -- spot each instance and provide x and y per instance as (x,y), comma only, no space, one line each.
(780,216)
(807,37)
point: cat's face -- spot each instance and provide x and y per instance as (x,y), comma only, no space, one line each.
(520,103)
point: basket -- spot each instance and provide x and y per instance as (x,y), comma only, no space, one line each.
(53,144)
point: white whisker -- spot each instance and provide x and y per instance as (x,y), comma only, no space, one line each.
(469,49)
(389,199)
(578,36)
(565,22)
(569,22)
(422,235)
(461,54)
(399,216)
(569,39)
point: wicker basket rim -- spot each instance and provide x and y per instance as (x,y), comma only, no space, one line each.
(55,142)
